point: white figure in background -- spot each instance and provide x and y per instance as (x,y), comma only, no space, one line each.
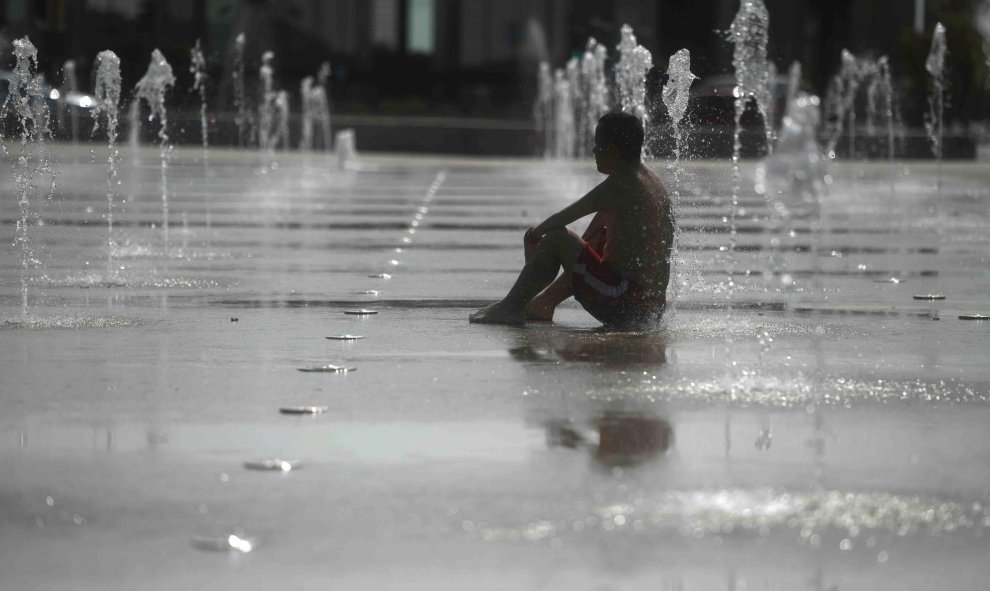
(266,102)
(306,94)
(282,131)
(543,110)
(563,116)
(346,147)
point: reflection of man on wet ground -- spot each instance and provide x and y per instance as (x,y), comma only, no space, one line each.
(624,439)
(619,270)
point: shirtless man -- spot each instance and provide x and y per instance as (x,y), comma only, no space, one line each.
(620,268)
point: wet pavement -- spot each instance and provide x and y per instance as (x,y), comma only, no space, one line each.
(815,427)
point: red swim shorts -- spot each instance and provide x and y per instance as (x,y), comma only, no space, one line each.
(608,296)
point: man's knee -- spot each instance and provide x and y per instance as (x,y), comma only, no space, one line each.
(557,236)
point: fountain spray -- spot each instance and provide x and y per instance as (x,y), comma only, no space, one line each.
(749,35)
(840,102)
(151,88)
(630,74)
(675,96)
(26,98)
(935,65)
(107,99)
(266,107)
(197,67)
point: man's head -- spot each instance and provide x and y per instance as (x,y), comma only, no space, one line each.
(618,140)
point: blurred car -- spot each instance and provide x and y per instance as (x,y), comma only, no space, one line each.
(55,98)
(72,99)
(6,76)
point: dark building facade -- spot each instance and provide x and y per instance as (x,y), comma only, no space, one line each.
(454,57)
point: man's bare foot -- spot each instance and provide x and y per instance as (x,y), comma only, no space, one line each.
(498,313)
(539,313)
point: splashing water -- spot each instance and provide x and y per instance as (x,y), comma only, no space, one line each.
(675,96)
(107,99)
(27,99)
(595,88)
(935,65)
(630,74)
(677,92)
(544,108)
(151,88)
(749,36)
(749,33)
(240,94)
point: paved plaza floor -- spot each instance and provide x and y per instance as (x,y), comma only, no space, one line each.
(811,427)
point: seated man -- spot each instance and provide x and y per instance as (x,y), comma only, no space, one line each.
(620,269)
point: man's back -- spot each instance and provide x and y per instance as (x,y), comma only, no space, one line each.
(640,224)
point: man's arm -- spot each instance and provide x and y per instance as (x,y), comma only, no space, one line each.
(591,203)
